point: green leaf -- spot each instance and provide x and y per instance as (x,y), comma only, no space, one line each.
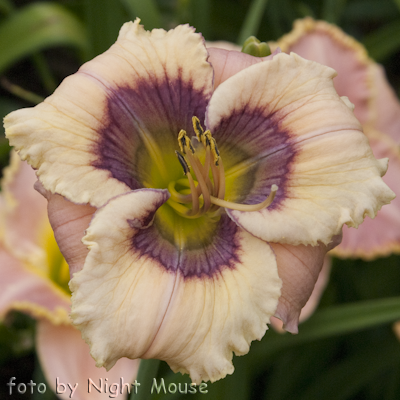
(6,106)
(363,367)
(252,20)
(200,16)
(304,10)
(384,41)
(358,11)
(104,19)
(6,6)
(332,10)
(147,372)
(332,321)
(147,11)
(297,360)
(37,27)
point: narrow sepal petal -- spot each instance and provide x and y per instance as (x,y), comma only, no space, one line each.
(228,61)
(299,268)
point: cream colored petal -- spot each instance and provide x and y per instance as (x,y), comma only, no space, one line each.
(65,359)
(328,45)
(379,236)
(128,303)
(105,129)
(299,134)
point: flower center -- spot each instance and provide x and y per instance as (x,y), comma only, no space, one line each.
(203,190)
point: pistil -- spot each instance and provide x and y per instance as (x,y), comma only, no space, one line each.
(209,189)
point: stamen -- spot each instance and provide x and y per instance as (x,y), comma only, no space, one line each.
(195,198)
(180,209)
(215,151)
(184,142)
(247,207)
(198,129)
(183,162)
(221,177)
(213,192)
(202,183)
(206,170)
(215,174)
(176,196)
(213,146)
(185,182)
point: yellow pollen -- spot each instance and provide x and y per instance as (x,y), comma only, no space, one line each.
(198,129)
(204,191)
(185,142)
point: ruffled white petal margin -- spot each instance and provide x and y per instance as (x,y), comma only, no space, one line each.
(128,304)
(380,236)
(334,178)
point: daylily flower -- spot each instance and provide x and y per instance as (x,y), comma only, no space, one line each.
(34,280)
(377,108)
(190,234)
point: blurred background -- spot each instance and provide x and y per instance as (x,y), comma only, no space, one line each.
(348,349)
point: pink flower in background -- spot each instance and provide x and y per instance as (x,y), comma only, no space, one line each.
(35,281)
(377,108)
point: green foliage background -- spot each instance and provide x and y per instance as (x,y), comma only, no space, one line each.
(347,350)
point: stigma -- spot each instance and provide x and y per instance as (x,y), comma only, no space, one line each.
(202,191)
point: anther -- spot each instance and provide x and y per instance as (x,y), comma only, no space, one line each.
(213,146)
(184,142)
(215,151)
(198,128)
(183,162)
(211,189)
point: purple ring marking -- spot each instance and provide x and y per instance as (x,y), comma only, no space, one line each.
(256,135)
(160,108)
(201,261)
